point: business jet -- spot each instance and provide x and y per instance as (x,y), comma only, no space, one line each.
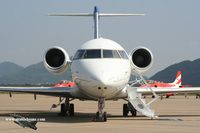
(101,70)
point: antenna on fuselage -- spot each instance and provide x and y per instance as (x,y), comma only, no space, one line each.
(96,15)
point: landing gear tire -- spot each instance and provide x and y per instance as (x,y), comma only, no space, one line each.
(62,109)
(66,109)
(129,108)
(102,118)
(125,110)
(97,115)
(71,109)
(105,116)
(134,112)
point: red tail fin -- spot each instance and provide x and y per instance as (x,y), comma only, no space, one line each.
(178,80)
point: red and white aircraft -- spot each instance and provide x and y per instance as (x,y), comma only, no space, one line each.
(101,70)
(65,83)
(177,82)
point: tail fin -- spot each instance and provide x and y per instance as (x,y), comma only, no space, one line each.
(178,80)
(96,15)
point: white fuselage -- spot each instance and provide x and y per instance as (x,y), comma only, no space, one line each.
(101,75)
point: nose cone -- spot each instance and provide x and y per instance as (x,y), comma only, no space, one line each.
(102,78)
(104,84)
(108,78)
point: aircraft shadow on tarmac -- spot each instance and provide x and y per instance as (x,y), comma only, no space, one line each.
(80,117)
(52,117)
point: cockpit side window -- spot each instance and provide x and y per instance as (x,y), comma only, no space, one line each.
(110,54)
(123,54)
(95,53)
(79,54)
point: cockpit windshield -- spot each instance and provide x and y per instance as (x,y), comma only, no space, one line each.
(92,54)
(79,54)
(99,53)
(110,54)
(123,54)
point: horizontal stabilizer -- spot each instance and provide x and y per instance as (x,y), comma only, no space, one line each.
(100,14)
(118,14)
(70,14)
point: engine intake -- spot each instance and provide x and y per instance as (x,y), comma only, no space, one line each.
(142,58)
(56,60)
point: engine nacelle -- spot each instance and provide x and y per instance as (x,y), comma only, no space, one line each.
(56,60)
(142,59)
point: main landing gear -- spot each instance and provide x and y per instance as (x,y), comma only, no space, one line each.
(129,108)
(101,116)
(66,108)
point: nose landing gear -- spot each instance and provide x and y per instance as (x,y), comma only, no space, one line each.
(101,116)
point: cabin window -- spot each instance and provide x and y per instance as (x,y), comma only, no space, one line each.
(110,54)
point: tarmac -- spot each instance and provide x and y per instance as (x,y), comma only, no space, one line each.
(178,115)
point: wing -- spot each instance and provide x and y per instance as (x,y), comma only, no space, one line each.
(71,92)
(164,90)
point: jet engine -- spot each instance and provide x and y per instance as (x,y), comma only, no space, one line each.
(142,59)
(56,60)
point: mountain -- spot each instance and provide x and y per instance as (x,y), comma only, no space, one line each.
(7,68)
(34,74)
(190,73)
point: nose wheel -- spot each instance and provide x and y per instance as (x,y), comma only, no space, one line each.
(101,116)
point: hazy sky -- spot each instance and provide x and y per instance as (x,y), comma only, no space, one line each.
(170,29)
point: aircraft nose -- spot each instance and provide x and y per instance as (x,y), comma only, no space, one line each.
(103,79)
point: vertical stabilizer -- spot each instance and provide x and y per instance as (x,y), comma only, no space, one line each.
(178,80)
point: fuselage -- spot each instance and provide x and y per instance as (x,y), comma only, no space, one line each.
(160,84)
(101,68)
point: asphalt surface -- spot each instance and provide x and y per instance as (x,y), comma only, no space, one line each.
(177,115)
